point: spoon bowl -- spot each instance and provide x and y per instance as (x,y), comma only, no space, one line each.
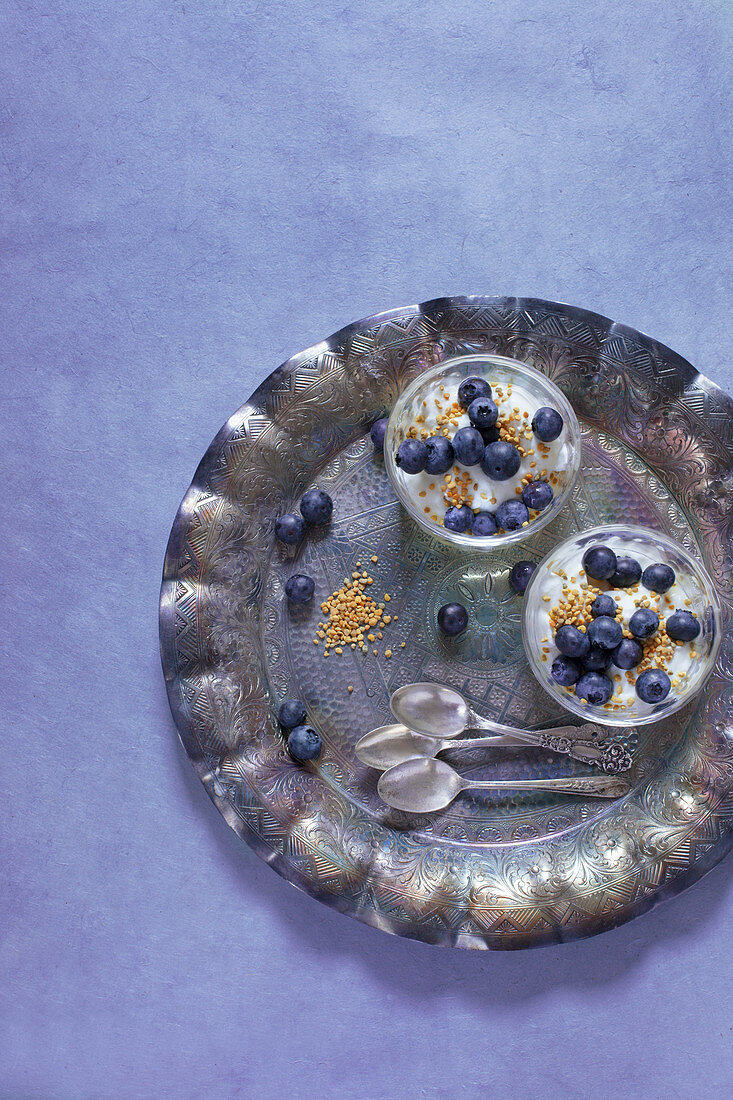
(420,786)
(431,708)
(389,745)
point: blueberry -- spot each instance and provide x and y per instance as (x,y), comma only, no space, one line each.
(605,632)
(483,413)
(378,431)
(653,685)
(412,454)
(572,642)
(596,659)
(537,495)
(468,446)
(599,562)
(484,523)
(458,519)
(626,574)
(565,671)
(628,654)
(316,506)
(440,454)
(291,713)
(299,588)
(501,460)
(547,424)
(644,622)
(658,577)
(595,688)
(289,528)
(452,619)
(520,575)
(470,389)
(682,626)
(304,743)
(603,605)
(489,435)
(511,515)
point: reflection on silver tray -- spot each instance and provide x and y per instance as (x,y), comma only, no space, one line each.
(499,872)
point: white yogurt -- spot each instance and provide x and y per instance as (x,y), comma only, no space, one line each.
(543,461)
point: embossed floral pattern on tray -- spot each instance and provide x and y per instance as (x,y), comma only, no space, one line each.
(506,872)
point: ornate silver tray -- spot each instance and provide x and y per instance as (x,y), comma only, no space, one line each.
(486,872)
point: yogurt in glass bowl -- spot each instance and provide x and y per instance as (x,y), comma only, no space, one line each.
(664,614)
(499,467)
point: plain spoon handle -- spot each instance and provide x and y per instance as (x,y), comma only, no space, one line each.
(498,741)
(577,733)
(597,785)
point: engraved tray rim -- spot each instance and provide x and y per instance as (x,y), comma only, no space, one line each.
(686,376)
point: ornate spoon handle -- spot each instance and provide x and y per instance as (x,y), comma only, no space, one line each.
(610,756)
(573,741)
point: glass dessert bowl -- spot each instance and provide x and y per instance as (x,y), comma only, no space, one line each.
(621,625)
(482,451)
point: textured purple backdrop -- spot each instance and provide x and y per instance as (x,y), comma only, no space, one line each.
(193,192)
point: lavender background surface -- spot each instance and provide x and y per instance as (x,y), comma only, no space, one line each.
(193,192)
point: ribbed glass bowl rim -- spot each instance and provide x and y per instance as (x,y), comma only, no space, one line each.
(695,566)
(488,543)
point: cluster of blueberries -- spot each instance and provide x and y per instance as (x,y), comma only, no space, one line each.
(316,508)
(584,656)
(304,743)
(477,445)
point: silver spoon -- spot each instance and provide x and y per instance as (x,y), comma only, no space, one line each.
(431,708)
(389,745)
(423,785)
